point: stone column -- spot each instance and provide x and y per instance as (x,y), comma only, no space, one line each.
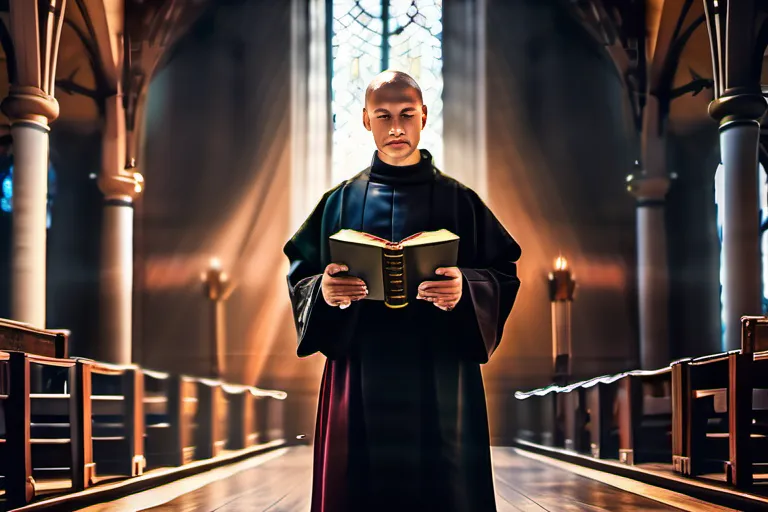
(650,184)
(739,111)
(121,184)
(29,110)
(652,269)
(464,93)
(30,107)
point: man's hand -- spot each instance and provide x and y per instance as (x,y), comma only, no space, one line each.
(341,291)
(443,294)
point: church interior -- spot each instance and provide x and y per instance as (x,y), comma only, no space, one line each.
(156,155)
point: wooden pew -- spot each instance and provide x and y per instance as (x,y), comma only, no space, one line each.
(170,409)
(644,409)
(270,414)
(210,419)
(748,404)
(602,422)
(700,414)
(627,416)
(541,422)
(24,453)
(241,407)
(22,337)
(720,409)
(572,406)
(85,422)
(113,439)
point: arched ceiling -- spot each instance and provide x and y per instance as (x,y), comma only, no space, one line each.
(93,50)
(660,47)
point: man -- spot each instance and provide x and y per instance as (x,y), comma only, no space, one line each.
(402,423)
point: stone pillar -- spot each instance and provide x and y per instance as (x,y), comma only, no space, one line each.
(735,35)
(30,107)
(652,268)
(739,112)
(29,110)
(464,94)
(650,184)
(121,184)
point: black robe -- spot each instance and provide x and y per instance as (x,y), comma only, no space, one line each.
(402,422)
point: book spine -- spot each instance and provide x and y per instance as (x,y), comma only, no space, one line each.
(395,295)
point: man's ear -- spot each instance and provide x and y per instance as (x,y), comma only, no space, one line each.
(423,116)
(366,120)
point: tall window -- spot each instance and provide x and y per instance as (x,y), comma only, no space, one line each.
(371,36)
(719,202)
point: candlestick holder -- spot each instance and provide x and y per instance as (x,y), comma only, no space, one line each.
(561,291)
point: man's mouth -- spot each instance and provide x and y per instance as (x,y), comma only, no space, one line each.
(397,143)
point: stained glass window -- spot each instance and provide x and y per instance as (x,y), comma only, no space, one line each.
(6,191)
(763,205)
(361,49)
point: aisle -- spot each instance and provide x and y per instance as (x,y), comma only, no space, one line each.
(280,481)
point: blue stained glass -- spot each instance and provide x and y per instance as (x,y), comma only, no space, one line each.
(413,38)
(6,192)
(763,205)
(8,186)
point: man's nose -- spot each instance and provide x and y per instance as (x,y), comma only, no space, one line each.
(396,129)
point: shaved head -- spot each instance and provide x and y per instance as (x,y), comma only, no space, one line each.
(394,80)
(395,114)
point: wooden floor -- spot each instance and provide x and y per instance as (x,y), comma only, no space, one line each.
(280,481)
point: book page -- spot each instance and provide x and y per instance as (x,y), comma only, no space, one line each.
(429,237)
(356,237)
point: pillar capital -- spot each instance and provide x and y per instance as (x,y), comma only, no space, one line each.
(124,186)
(738,104)
(30,105)
(648,188)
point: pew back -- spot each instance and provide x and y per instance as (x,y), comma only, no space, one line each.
(22,337)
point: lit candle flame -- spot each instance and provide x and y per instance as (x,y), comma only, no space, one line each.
(561,263)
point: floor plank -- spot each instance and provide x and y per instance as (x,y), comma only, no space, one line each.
(283,484)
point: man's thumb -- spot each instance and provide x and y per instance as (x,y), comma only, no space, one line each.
(333,269)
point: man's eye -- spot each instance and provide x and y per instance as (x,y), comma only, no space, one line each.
(383,117)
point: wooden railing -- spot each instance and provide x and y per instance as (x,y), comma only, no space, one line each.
(89,419)
(703,415)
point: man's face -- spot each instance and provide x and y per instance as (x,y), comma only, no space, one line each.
(395,115)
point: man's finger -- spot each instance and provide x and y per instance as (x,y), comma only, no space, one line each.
(344,295)
(342,284)
(454,297)
(337,289)
(440,292)
(346,281)
(448,271)
(426,285)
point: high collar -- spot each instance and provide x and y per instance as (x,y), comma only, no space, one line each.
(421,172)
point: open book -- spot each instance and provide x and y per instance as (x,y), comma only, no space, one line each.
(393,271)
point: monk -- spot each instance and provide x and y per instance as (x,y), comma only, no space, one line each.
(402,422)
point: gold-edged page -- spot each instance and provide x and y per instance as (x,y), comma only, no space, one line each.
(356,237)
(431,237)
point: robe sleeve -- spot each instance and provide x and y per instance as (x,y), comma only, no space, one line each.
(490,283)
(319,327)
